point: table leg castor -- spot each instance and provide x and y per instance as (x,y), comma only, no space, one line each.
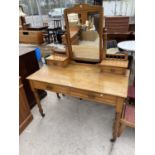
(43,115)
(112,140)
(58,96)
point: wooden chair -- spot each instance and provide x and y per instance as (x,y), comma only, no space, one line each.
(128,114)
(57,23)
(56,32)
(128,118)
(45,33)
(131,94)
(117,28)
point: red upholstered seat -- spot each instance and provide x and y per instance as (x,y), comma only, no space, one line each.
(128,118)
(131,92)
(129,114)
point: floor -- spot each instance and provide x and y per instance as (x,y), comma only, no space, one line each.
(74,127)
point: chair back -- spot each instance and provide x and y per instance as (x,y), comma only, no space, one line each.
(117,24)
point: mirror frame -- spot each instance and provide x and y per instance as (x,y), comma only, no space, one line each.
(84,9)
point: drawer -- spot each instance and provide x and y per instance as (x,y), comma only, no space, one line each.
(115,70)
(50,87)
(51,62)
(78,93)
(57,62)
(98,97)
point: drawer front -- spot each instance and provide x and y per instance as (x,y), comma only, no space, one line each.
(97,97)
(114,70)
(50,87)
(57,63)
(51,62)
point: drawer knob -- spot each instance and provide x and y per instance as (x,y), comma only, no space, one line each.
(101,95)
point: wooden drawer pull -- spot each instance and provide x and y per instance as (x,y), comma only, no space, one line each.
(101,95)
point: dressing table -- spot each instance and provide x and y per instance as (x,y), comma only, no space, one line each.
(83,80)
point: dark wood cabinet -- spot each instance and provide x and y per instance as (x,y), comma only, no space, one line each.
(28,64)
(25,116)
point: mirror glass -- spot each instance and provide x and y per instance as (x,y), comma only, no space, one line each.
(84,35)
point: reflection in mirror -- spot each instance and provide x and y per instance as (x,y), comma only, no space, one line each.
(84,35)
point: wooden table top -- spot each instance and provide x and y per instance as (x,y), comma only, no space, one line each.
(83,76)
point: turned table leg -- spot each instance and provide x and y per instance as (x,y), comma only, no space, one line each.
(118,113)
(38,102)
(116,126)
(58,96)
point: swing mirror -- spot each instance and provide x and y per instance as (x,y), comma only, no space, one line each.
(84,26)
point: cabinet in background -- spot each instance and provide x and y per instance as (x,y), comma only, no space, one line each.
(25,116)
(28,64)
